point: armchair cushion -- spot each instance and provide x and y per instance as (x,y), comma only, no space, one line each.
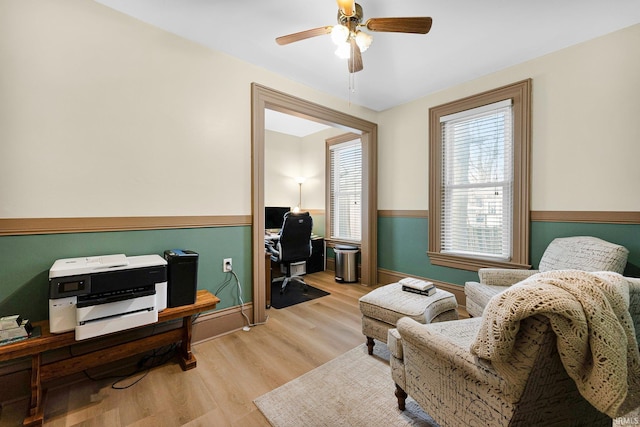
(584,253)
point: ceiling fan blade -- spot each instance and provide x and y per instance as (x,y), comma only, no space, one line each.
(355,59)
(290,38)
(417,25)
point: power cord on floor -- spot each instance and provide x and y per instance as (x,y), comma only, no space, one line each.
(156,359)
(247,327)
(260,323)
(162,358)
(227,281)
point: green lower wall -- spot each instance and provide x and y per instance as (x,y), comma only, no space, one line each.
(318,224)
(402,245)
(25,261)
(627,235)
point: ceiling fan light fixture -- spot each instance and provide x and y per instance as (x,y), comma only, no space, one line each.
(339,34)
(344,50)
(363,40)
(350,41)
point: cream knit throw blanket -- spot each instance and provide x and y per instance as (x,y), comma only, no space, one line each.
(589,312)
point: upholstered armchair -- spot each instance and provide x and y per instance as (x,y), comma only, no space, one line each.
(579,253)
(438,365)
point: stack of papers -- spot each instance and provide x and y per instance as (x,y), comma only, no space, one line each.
(14,328)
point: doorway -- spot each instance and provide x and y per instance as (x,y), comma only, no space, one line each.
(265,98)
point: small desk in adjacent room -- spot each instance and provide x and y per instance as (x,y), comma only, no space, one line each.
(316,262)
(267,277)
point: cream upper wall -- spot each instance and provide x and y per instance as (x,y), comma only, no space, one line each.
(288,157)
(282,154)
(585,137)
(103,115)
(314,168)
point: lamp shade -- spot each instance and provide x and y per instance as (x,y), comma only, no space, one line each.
(363,40)
(339,34)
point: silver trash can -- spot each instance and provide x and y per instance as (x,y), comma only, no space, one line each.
(346,263)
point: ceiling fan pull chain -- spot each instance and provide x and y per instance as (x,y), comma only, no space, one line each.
(352,82)
(349,88)
(352,75)
(352,85)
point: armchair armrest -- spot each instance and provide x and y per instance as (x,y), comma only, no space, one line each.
(445,344)
(634,303)
(634,285)
(441,348)
(503,276)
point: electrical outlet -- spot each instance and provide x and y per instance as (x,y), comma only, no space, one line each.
(227,265)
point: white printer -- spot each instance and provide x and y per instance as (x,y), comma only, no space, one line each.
(103,294)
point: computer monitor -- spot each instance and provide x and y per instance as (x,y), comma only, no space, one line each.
(274,216)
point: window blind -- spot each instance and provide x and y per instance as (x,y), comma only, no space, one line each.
(477,177)
(346,190)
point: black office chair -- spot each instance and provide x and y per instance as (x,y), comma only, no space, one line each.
(293,246)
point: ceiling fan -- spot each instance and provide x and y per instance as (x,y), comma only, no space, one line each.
(350,40)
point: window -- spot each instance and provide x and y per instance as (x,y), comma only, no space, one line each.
(479,179)
(345,187)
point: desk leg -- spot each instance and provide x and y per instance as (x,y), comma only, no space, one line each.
(36,407)
(267,277)
(187,359)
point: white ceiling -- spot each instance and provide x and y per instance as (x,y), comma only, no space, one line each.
(468,39)
(291,125)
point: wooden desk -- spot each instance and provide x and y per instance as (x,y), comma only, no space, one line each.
(40,372)
(267,277)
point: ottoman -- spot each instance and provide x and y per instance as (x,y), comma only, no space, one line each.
(384,306)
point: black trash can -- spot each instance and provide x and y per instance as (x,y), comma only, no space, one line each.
(346,263)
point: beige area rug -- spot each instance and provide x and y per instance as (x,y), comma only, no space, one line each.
(354,389)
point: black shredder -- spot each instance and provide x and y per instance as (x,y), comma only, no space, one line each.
(182,277)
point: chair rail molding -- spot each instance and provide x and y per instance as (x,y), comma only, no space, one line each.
(26,226)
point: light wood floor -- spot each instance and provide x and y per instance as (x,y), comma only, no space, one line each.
(232,371)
